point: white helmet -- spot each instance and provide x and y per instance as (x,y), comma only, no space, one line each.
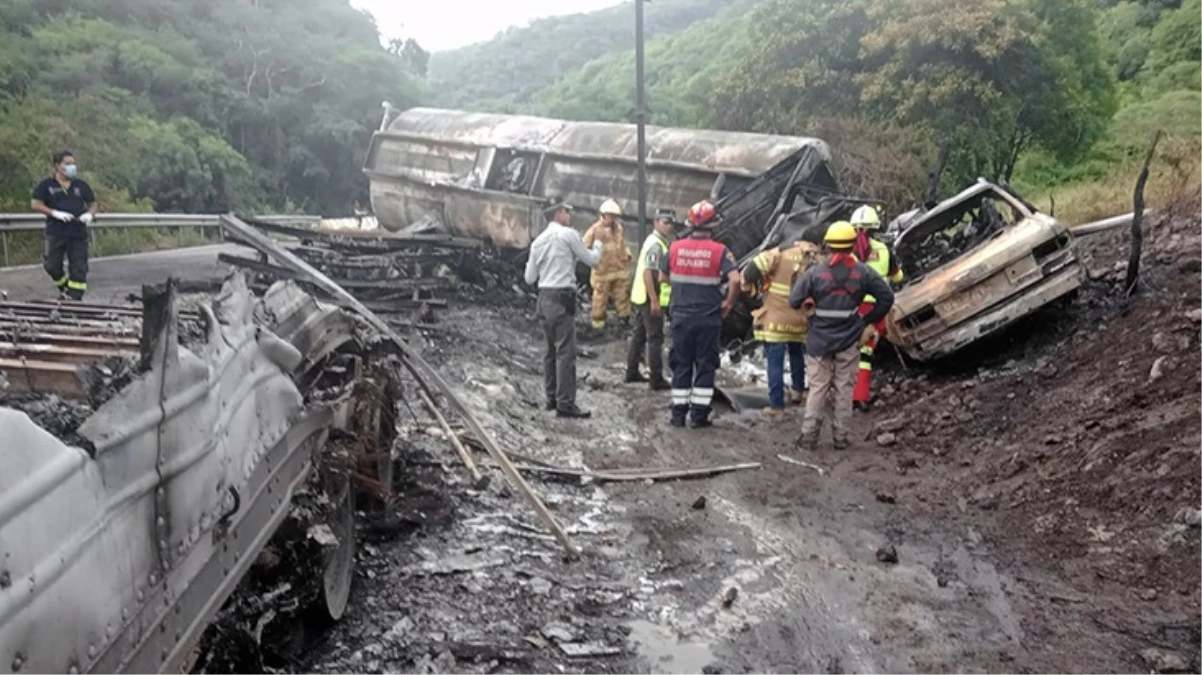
(610,208)
(866,218)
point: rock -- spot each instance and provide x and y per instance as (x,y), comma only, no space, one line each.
(891,425)
(1148,594)
(1157,371)
(1189,515)
(942,580)
(1163,343)
(887,554)
(728,598)
(1188,265)
(886,498)
(699,504)
(558,632)
(1194,315)
(540,586)
(712,669)
(1046,370)
(1164,661)
(886,439)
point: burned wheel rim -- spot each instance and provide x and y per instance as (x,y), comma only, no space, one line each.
(339,563)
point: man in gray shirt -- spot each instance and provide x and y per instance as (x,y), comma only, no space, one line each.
(552,266)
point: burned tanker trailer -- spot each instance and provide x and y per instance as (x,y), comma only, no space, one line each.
(490,176)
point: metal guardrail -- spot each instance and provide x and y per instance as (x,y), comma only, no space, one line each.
(36,222)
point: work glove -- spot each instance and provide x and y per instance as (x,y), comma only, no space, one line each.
(62,216)
(86,218)
(868,336)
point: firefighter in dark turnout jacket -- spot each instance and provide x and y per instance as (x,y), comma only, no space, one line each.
(696,267)
(832,292)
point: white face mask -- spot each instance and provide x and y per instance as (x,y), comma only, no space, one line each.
(69,170)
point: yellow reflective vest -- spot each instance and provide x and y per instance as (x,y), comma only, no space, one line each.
(776,321)
(881,262)
(654,248)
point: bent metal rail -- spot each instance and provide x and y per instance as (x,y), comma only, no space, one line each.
(35,222)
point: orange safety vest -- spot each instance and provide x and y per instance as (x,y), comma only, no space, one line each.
(776,321)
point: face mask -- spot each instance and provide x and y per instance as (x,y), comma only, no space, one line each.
(69,171)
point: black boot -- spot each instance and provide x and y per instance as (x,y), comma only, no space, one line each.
(633,376)
(659,384)
(573,412)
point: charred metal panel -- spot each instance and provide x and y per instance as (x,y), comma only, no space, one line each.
(487,176)
(115,562)
(1013,272)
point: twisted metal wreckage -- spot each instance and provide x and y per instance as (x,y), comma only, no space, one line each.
(118,547)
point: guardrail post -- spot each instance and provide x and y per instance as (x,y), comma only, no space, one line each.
(4,235)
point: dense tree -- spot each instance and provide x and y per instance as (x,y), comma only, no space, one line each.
(201,105)
(505,73)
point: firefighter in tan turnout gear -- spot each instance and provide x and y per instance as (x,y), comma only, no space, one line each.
(781,328)
(611,277)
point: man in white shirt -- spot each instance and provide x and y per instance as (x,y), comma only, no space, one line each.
(552,266)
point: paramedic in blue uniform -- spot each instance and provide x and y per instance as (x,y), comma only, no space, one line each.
(69,206)
(696,267)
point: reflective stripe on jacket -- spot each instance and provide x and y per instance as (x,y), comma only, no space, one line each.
(776,321)
(638,290)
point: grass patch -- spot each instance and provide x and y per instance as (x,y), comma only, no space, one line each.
(27,248)
(1169,181)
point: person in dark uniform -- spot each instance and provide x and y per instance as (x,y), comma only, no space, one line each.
(696,267)
(70,207)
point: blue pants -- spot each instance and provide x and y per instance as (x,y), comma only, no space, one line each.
(694,359)
(774,353)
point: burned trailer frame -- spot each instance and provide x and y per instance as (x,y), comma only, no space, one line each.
(489,176)
(114,558)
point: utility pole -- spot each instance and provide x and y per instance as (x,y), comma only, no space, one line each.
(640,117)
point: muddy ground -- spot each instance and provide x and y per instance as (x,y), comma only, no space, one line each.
(1041,494)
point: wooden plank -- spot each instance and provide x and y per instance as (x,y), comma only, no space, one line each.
(57,353)
(42,377)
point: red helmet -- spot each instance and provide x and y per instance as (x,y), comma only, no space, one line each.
(703,214)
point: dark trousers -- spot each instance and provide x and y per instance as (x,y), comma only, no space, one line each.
(774,354)
(648,333)
(75,279)
(557,309)
(694,358)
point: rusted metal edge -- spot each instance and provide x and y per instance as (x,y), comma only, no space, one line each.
(422,372)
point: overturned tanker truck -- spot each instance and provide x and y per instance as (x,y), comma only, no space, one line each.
(490,176)
(977,263)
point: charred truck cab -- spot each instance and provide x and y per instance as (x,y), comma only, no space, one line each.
(978,262)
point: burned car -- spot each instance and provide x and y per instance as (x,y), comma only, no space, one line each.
(977,263)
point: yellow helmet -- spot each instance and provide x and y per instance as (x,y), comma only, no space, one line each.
(840,235)
(866,218)
(610,207)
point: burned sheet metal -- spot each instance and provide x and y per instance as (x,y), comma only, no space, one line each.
(114,560)
(977,263)
(488,176)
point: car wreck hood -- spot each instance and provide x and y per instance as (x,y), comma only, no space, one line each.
(979,263)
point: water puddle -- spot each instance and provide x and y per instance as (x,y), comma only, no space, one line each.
(667,654)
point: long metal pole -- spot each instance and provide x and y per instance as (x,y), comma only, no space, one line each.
(640,117)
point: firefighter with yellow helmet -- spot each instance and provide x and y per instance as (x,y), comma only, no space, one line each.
(831,292)
(610,279)
(877,255)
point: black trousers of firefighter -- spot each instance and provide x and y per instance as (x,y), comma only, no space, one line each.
(74,279)
(694,358)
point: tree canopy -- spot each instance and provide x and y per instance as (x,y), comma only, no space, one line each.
(202,105)
(506,73)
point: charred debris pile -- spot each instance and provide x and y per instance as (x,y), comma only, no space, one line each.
(404,278)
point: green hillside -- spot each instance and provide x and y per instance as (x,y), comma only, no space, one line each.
(197,106)
(504,73)
(1052,95)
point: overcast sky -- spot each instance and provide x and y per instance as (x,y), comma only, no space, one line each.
(446,24)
